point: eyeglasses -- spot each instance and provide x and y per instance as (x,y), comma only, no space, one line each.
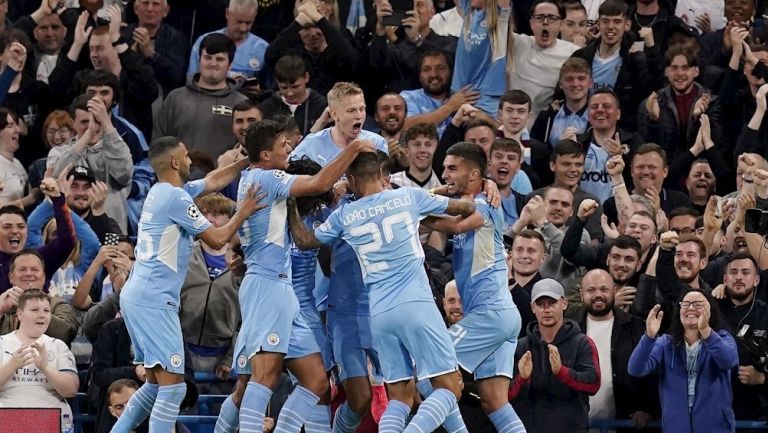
(685,305)
(540,18)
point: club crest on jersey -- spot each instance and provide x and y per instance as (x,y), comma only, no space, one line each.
(176,360)
(241,361)
(279,174)
(273,339)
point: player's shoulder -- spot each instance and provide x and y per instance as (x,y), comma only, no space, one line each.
(368,135)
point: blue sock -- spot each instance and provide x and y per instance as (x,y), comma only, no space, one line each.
(346,421)
(228,417)
(253,407)
(433,412)
(393,419)
(137,409)
(295,410)
(505,420)
(425,387)
(453,423)
(318,420)
(166,409)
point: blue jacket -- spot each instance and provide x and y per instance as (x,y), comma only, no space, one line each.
(712,410)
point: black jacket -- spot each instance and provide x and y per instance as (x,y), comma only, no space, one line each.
(542,126)
(635,80)
(306,114)
(630,394)
(172,55)
(670,199)
(549,403)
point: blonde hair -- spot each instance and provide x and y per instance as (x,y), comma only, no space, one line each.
(491,19)
(49,231)
(341,90)
(216,204)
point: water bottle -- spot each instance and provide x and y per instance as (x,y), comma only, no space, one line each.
(66,424)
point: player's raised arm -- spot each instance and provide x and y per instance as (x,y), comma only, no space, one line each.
(324,180)
(217,237)
(460,207)
(223,176)
(304,238)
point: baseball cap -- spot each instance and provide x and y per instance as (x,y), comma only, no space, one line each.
(81,171)
(547,287)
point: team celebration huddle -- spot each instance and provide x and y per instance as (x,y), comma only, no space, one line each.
(392,216)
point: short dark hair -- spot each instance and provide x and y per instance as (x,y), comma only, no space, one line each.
(118,385)
(245,105)
(515,97)
(646,215)
(366,166)
(740,256)
(26,252)
(13,210)
(573,6)
(79,103)
(159,148)
(624,242)
(385,164)
(607,91)
(286,122)
(436,52)
(289,68)
(651,148)
(471,152)
(428,130)
(477,123)
(566,147)
(261,136)
(215,43)
(683,211)
(4,113)
(536,3)
(30,294)
(308,205)
(103,78)
(507,145)
(612,8)
(679,50)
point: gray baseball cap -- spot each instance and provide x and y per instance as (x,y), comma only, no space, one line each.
(547,287)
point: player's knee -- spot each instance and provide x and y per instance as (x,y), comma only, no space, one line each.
(319,385)
(359,400)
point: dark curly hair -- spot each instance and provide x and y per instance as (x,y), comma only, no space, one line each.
(309,205)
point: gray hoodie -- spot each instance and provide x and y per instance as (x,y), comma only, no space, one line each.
(200,118)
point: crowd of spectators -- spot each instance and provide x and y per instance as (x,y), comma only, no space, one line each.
(626,139)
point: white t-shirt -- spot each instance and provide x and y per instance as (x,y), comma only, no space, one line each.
(537,70)
(602,405)
(28,387)
(14,178)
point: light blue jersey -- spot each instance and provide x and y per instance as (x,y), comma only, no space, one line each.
(168,224)
(319,147)
(418,103)
(345,295)
(248,61)
(383,230)
(509,208)
(474,63)
(595,179)
(264,235)
(479,262)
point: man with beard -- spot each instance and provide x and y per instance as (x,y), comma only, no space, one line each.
(739,308)
(700,184)
(528,254)
(86,198)
(615,333)
(452,304)
(434,103)
(623,266)
(390,116)
(244,114)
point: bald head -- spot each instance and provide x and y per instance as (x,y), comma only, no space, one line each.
(597,293)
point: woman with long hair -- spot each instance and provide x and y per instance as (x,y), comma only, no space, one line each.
(481,51)
(693,362)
